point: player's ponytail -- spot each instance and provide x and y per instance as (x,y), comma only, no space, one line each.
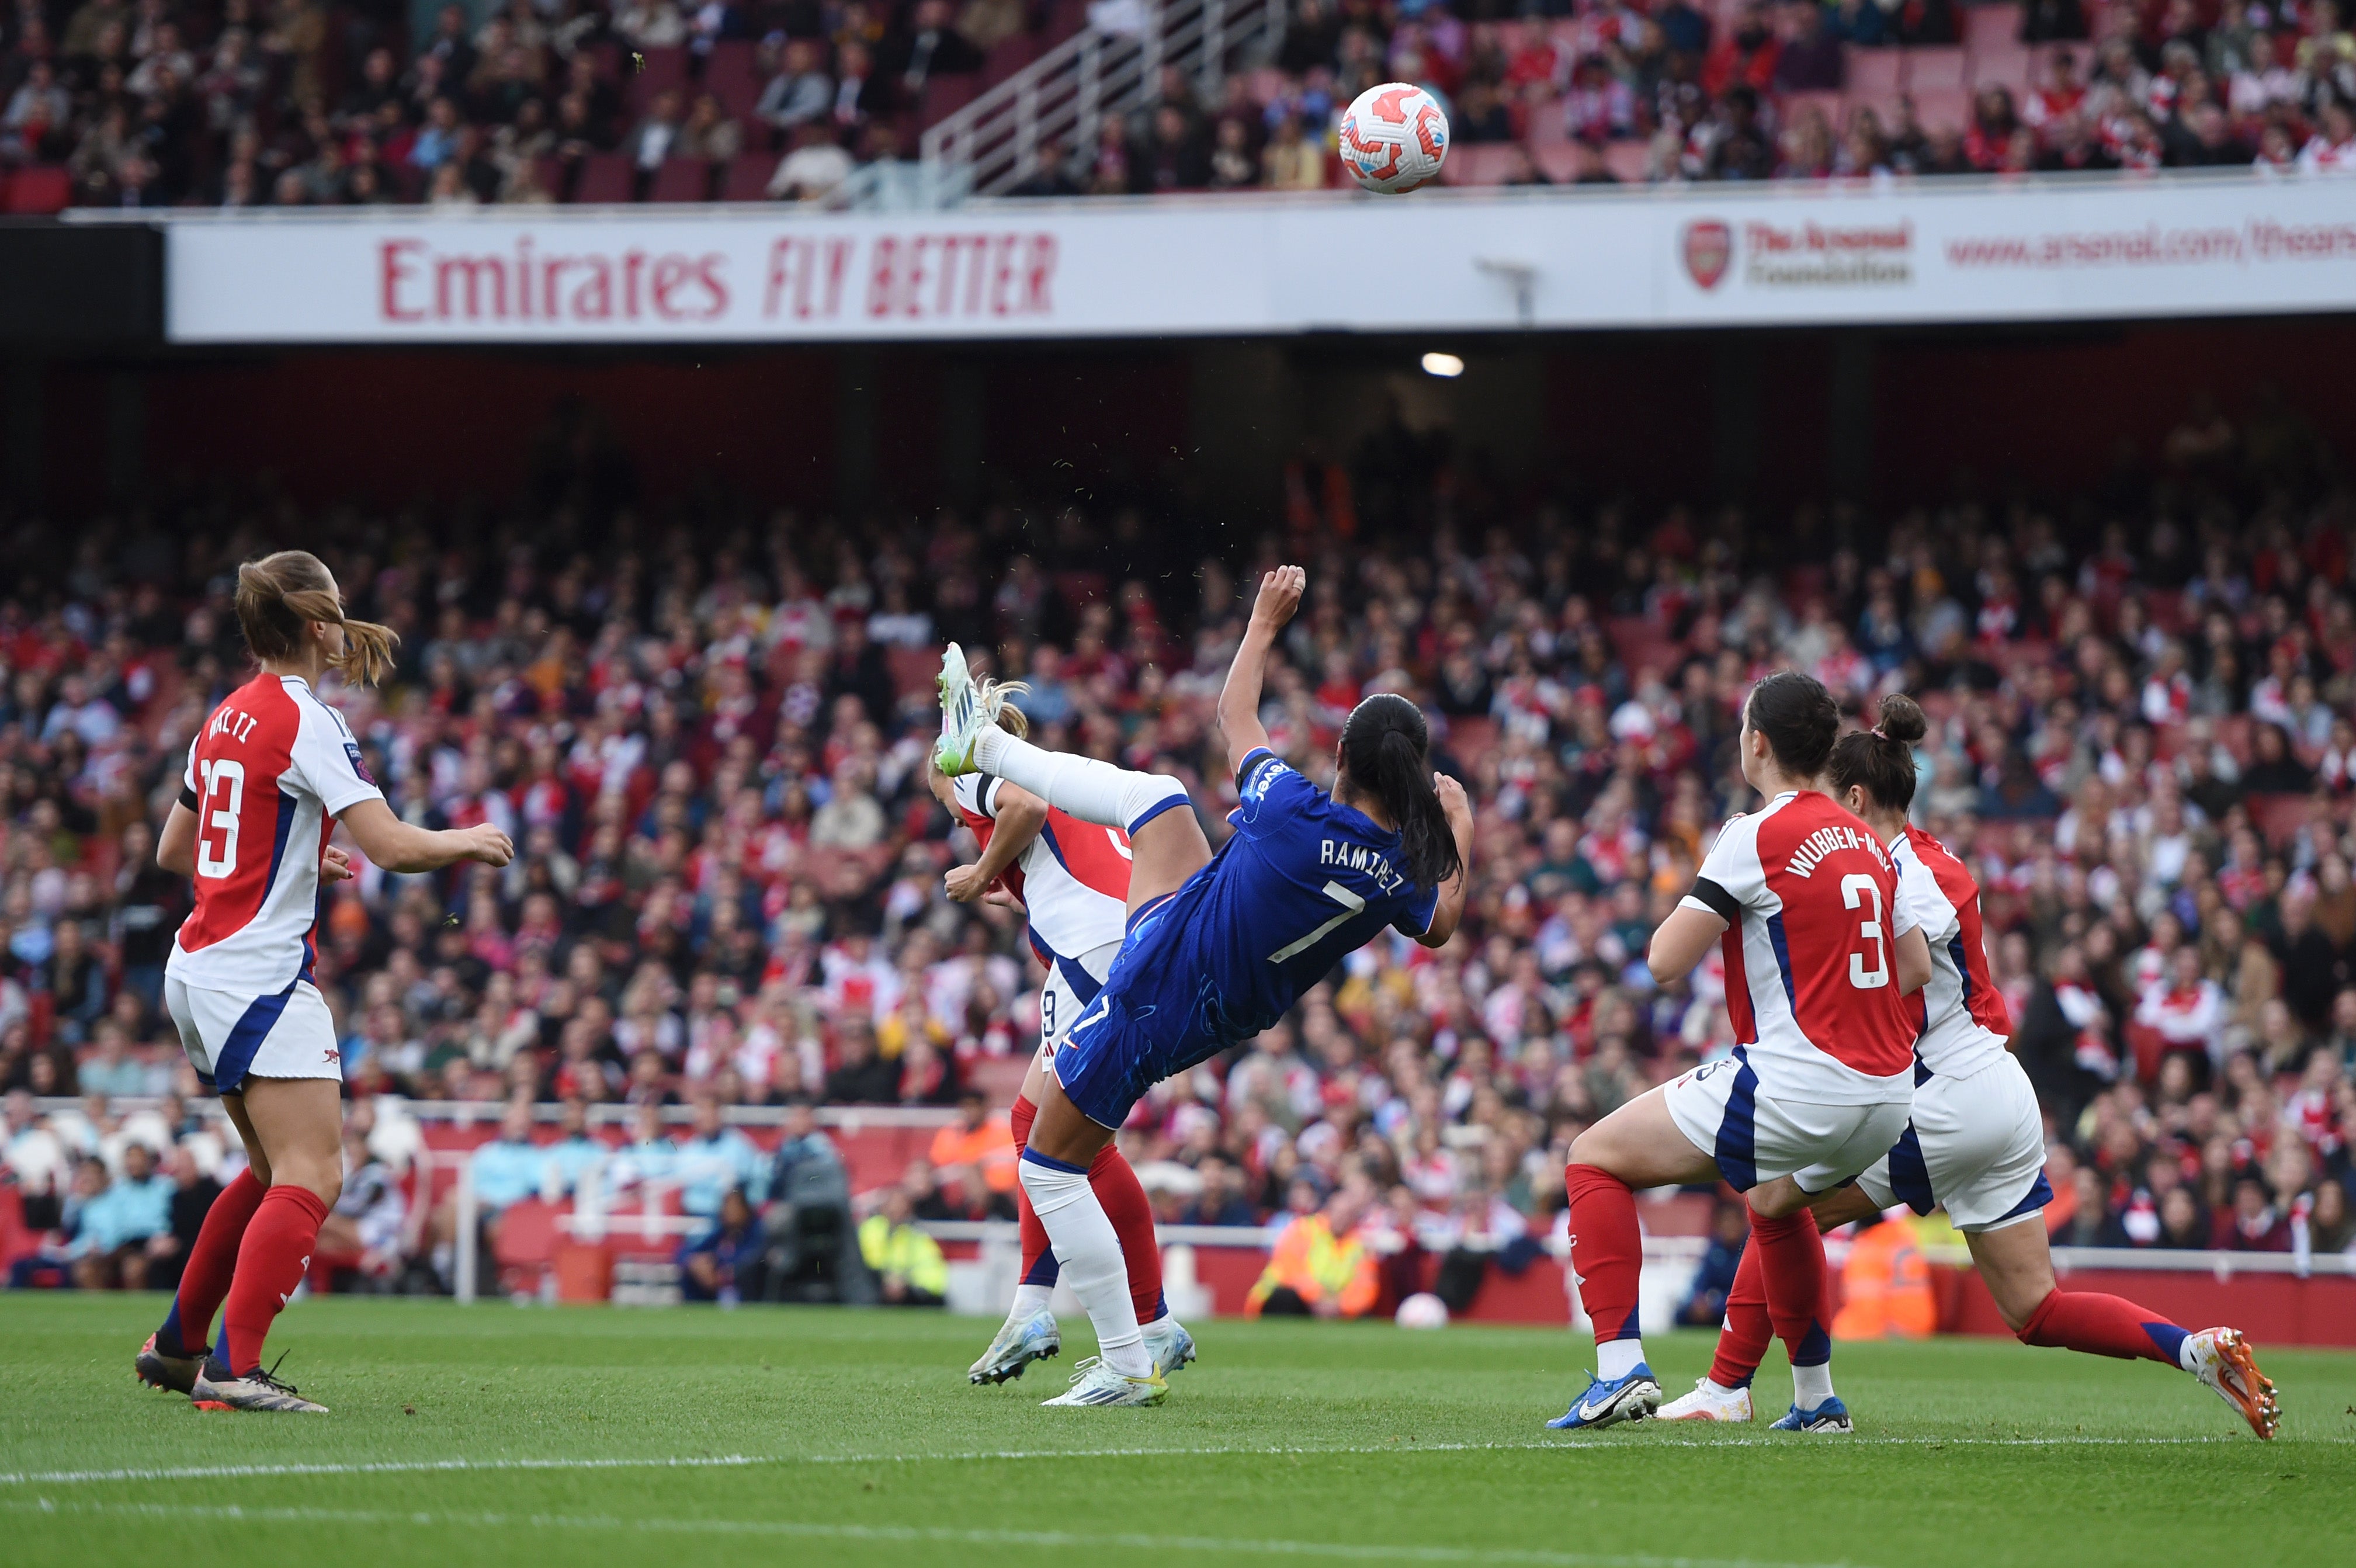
(280,594)
(1010,719)
(1386,753)
(1880,760)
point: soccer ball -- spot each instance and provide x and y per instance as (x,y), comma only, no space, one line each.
(1423,1310)
(1394,138)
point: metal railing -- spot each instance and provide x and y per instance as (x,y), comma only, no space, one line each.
(1063,98)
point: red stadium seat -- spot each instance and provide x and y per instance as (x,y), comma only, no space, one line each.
(1793,105)
(1010,56)
(1873,74)
(1991,28)
(944,96)
(526,1244)
(1629,161)
(682,179)
(38,191)
(747,178)
(1560,160)
(732,75)
(2009,66)
(1481,164)
(607,179)
(1943,108)
(2278,818)
(665,68)
(1933,69)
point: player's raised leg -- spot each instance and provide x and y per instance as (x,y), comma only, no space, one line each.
(2017,1262)
(298,1123)
(1166,842)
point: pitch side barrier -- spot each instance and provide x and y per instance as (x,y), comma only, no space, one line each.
(2033,249)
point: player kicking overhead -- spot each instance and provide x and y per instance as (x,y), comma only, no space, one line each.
(268,776)
(1976,1143)
(1071,879)
(1804,897)
(1218,947)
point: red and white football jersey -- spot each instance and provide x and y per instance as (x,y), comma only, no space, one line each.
(1964,1021)
(1810,899)
(1074,877)
(267,776)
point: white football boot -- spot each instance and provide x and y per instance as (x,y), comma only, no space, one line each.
(1167,1341)
(2221,1358)
(1096,1384)
(1709,1402)
(1018,1345)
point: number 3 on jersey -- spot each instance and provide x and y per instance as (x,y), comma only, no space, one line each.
(1870,929)
(224,798)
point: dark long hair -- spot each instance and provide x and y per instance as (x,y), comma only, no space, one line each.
(1387,753)
(1881,760)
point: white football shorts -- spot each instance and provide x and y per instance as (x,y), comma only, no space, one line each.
(1756,1138)
(1975,1147)
(1071,984)
(229,1037)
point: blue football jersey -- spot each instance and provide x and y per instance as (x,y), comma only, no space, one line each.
(1304,881)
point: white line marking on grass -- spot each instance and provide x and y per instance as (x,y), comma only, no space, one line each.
(1505,1557)
(736,1461)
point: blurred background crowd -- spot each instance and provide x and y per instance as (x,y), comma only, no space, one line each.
(708,736)
(354,102)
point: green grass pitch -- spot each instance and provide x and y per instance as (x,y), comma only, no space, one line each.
(495,1434)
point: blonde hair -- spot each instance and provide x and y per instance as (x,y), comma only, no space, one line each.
(279,593)
(1010,719)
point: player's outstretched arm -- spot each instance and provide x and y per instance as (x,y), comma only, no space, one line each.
(1279,596)
(1449,910)
(396,846)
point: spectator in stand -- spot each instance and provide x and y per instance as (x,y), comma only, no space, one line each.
(813,169)
(800,92)
(716,1159)
(907,1263)
(121,1224)
(726,1263)
(1321,1266)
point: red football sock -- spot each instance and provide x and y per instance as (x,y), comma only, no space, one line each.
(1792,1265)
(1123,1200)
(1742,1342)
(270,1265)
(212,1263)
(1607,1249)
(1123,1197)
(2103,1325)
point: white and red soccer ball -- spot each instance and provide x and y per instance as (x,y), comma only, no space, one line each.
(1394,138)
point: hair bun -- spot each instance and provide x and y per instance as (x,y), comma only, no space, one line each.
(1902,720)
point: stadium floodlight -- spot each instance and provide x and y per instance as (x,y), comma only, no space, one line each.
(1445,366)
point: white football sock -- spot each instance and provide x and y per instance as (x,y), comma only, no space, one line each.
(1079,786)
(1615,1359)
(1714,1386)
(1811,1386)
(1028,1299)
(1089,1249)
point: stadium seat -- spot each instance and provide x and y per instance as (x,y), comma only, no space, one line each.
(1547,126)
(944,96)
(1629,161)
(1793,105)
(733,74)
(550,172)
(1560,160)
(38,191)
(1012,55)
(665,68)
(1991,28)
(747,178)
(2278,818)
(526,1244)
(1876,74)
(607,179)
(1943,108)
(1482,164)
(1266,85)
(2005,65)
(1933,69)
(681,179)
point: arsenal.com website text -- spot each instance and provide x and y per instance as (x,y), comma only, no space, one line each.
(2254,241)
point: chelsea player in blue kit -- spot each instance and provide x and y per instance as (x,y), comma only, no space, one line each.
(1220,947)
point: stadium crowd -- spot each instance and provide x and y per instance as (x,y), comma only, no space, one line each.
(302,103)
(709,744)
